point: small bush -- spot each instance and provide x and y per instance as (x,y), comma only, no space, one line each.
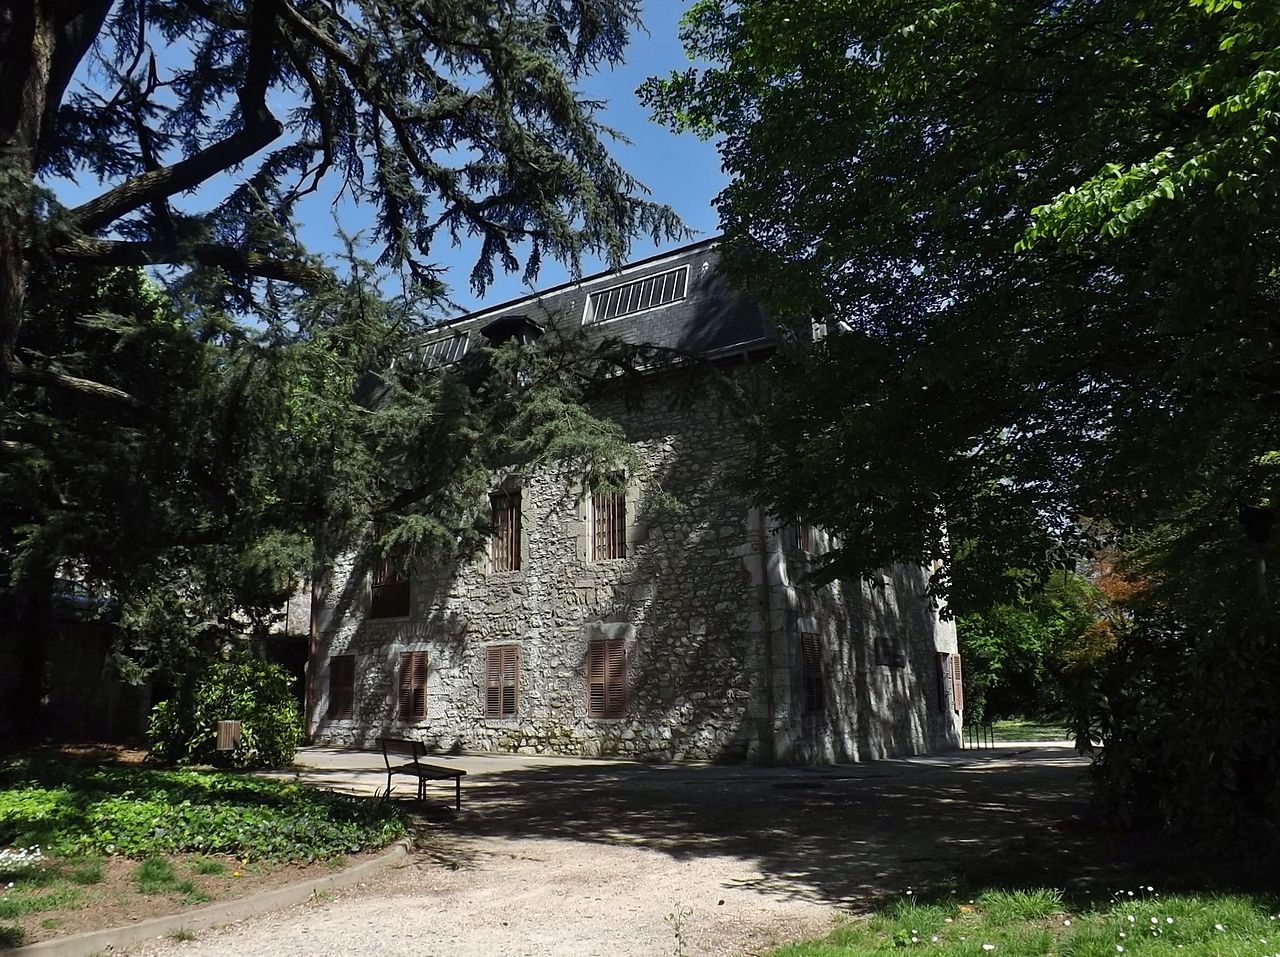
(205,865)
(257,693)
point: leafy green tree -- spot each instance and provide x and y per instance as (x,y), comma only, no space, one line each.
(1041,237)
(1037,323)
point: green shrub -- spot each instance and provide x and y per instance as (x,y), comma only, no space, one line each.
(257,693)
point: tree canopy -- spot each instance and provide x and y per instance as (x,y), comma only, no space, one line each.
(1046,231)
(1041,239)
(458,119)
(192,437)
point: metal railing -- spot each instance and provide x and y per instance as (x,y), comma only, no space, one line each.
(973,736)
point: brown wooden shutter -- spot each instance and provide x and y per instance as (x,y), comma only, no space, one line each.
(510,680)
(608,525)
(342,686)
(502,671)
(389,589)
(493,682)
(945,690)
(616,687)
(595,679)
(607,678)
(815,692)
(413,685)
(957,685)
(504,542)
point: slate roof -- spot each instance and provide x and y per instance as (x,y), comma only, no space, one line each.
(711,319)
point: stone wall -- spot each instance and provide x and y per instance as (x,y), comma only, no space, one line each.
(689,601)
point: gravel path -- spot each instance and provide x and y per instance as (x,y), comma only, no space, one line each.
(623,860)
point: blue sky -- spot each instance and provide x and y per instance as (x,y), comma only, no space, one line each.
(679,170)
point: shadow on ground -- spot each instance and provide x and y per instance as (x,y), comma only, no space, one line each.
(852,835)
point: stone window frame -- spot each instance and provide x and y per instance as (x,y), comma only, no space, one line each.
(512,485)
(582,526)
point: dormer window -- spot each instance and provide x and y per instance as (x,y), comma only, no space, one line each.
(637,296)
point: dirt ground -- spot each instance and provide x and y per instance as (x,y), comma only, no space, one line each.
(115,900)
(555,858)
(637,861)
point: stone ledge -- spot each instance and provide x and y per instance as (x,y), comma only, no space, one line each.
(115,939)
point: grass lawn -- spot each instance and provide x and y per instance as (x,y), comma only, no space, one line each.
(1028,729)
(126,841)
(1036,923)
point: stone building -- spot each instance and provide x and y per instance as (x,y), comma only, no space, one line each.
(672,626)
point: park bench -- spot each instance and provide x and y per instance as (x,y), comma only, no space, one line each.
(393,749)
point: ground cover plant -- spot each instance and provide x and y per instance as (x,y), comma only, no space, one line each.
(1038,923)
(67,829)
(69,809)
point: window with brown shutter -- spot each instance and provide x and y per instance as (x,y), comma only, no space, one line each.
(501,681)
(413,685)
(342,686)
(606,678)
(504,541)
(945,687)
(389,590)
(815,691)
(802,538)
(608,527)
(957,686)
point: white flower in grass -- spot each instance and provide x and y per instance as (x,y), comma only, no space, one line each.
(934,938)
(1131,918)
(1155,920)
(1119,948)
(1067,922)
(988,946)
(947,920)
(1218,927)
(1168,920)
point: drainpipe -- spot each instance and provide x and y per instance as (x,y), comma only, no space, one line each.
(313,642)
(766,623)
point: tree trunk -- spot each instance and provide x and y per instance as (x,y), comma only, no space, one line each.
(26,55)
(41,45)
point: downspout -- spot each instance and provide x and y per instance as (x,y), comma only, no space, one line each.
(766,624)
(313,643)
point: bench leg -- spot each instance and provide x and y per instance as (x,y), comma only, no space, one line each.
(457,794)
